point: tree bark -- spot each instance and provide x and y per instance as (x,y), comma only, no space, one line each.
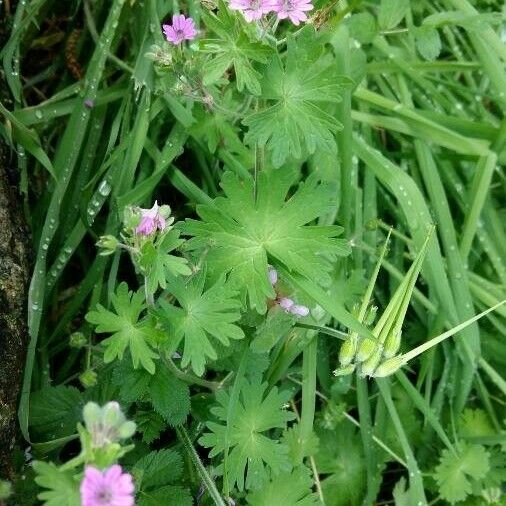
(14,276)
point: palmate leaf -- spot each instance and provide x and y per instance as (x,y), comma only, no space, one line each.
(203,313)
(288,489)
(232,48)
(295,122)
(156,263)
(250,451)
(244,232)
(62,488)
(454,471)
(126,328)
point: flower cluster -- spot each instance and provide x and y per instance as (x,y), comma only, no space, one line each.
(294,10)
(284,302)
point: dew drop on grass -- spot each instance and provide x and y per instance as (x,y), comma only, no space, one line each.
(38,114)
(104,188)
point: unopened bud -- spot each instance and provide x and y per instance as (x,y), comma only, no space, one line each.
(366,348)
(88,378)
(77,340)
(389,366)
(273,276)
(347,351)
(126,429)
(112,415)
(108,244)
(92,414)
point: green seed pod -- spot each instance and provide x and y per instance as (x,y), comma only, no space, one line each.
(369,366)
(347,351)
(344,371)
(366,348)
(392,344)
(389,366)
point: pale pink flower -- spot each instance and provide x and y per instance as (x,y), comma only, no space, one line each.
(111,487)
(151,220)
(292,9)
(286,303)
(273,276)
(182,28)
(299,310)
(252,9)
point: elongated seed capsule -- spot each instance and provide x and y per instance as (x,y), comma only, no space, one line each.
(344,371)
(389,366)
(368,367)
(392,344)
(366,348)
(347,351)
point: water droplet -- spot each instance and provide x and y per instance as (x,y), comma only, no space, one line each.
(38,114)
(104,188)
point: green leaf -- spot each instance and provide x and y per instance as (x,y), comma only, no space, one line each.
(132,383)
(250,451)
(243,232)
(341,457)
(157,469)
(276,326)
(363,27)
(126,329)
(62,487)
(156,263)
(232,49)
(202,314)
(55,412)
(297,90)
(298,449)
(288,489)
(391,13)
(150,424)
(170,495)
(428,42)
(169,396)
(475,423)
(454,472)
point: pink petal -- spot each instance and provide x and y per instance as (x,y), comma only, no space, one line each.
(113,473)
(286,303)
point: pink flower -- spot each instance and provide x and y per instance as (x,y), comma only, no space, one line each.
(252,9)
(299,310)
(292,9)
(181,29)
(111,487)
(286,303)
(151,220)
(273,276)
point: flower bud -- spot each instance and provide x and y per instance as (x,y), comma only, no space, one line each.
(286,303)
(366,348)
(347,351)
(126,430)
(299,310)
(273,276)
(369,366)
(108,244)
(344,371)
(88,378)
(92,414)
(77,340)
(112,415)
(389,366)
(370,316)
(392,344)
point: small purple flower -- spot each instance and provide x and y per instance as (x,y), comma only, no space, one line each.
(286,303)
(292,9)
(89,103)
(273,276)
(182,28)
(252,9)
(299,310)
(111,487)
(151,220)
